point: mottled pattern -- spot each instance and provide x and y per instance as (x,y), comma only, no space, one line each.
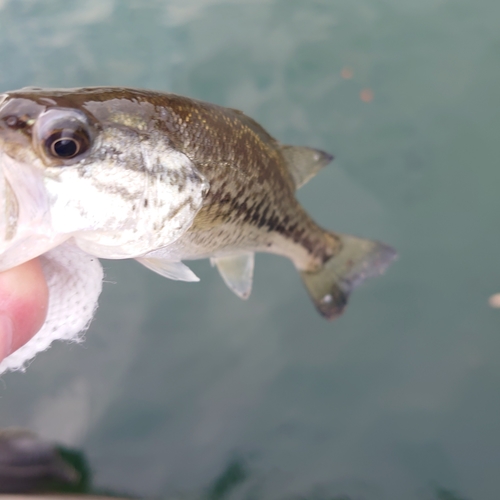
(250,204)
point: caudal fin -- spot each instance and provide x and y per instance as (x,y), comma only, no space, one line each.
(357,260)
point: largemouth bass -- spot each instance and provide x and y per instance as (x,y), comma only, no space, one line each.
(161,178)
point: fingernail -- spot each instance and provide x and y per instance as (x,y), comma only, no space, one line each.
(5,336)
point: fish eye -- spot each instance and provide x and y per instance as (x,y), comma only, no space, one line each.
(11,121)
(67,144)
(63,134)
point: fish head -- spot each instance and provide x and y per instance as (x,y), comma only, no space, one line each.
(95,165)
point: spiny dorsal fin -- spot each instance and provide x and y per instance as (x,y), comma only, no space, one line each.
(304,163)
(237,272)
(170,269)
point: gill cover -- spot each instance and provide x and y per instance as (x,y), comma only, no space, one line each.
(129,194)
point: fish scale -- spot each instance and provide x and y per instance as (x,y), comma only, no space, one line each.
(162,178)
(228,202)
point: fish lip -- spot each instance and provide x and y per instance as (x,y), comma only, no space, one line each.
(31,217)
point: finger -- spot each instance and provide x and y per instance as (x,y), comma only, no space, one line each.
(23,305)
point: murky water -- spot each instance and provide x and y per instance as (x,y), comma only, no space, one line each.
(182,388)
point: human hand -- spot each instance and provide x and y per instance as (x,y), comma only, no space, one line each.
(23,305)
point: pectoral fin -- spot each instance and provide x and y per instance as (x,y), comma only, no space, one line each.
(170,269)
(237,272)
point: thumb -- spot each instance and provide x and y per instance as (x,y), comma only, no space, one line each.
(23,305)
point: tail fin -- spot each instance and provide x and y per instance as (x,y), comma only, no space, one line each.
(357,260)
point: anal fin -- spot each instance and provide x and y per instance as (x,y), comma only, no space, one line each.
(237,272)
(170,269)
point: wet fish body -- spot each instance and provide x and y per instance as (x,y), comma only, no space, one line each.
(162,178)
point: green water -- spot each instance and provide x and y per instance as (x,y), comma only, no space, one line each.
(184,389)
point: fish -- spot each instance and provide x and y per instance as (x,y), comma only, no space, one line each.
(124,173)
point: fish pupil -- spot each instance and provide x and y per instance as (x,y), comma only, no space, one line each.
(11,121)
(65,148)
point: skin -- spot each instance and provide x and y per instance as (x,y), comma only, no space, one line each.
(23,305)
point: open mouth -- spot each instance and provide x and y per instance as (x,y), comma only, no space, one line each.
(25,230)
(11,215)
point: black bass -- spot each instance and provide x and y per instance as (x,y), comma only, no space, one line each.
(125,173)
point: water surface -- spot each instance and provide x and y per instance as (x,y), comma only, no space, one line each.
(179,385)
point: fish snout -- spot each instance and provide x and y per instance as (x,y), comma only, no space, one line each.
(25,230)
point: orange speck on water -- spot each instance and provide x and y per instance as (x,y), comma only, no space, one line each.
(494,301)
(346,73)
(366,95)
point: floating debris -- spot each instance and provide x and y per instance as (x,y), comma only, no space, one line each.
(494,301)
(366,95)
(346,73)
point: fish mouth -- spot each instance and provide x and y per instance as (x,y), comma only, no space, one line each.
(11,215)
(25,213)
(25,231)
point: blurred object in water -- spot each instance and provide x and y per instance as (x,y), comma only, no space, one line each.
(494,301)
(346,73)
(29,464)
(366,95)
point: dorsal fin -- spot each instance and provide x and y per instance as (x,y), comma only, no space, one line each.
(304,163)
(237,272)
